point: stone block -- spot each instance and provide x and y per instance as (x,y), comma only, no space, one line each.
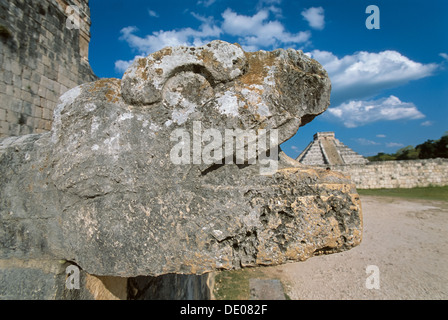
(13,116)
(27,108)
(34,87)
(57,89)
(36,77)
(42,92)
(2,87)
(6,101)
(17,105)
(45,59)
(17,80)
(47,114)
(37,112)
(26,74)
(4,127)
(9,90)
(50,105)
(41,124)
(63,80)
(26,84)
(16,68)
(7,77)
(6,66)
(30,122)
(42,280)
(26,284)
(14,129)
(47,125)
(47,83)
(50,73)
(51,96)
(26,96)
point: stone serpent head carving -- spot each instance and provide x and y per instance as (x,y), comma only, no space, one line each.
(117,204)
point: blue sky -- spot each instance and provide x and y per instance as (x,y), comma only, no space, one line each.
(389,85)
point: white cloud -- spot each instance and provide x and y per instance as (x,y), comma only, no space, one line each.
(160,39)
(253,32)
(444,55)
(357,113)
(153,14)
(365,74)
(365,142)
(294,148)
(381,136)
(206,3)
(270,5)
(122,65)
(203,19)
(394,145)
(315,17)
(262,3)
(258,31)
(427,123)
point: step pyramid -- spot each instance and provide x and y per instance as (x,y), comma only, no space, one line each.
(325,149)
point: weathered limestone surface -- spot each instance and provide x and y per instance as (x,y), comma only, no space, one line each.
(41,57)
(101,190)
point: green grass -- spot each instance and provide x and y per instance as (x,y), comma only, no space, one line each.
(426,193)
(234,284)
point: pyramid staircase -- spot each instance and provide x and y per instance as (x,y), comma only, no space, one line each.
(325,149)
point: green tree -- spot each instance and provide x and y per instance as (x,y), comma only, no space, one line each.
(441,147)
(381,157)
(427,149)
(407,153)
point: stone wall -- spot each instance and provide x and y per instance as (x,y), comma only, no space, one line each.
(46,279)
(40,59)
(171,287)
(397,174)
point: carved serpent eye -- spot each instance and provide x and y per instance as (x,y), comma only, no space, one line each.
(195,68)
(184,92)
(188,86)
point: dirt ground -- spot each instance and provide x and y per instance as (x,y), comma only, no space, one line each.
(406,239)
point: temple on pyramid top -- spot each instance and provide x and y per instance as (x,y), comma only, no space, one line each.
(325,149)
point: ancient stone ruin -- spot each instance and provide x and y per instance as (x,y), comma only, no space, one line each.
(44,48)
(328,152)
(325,149)
(103,191)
